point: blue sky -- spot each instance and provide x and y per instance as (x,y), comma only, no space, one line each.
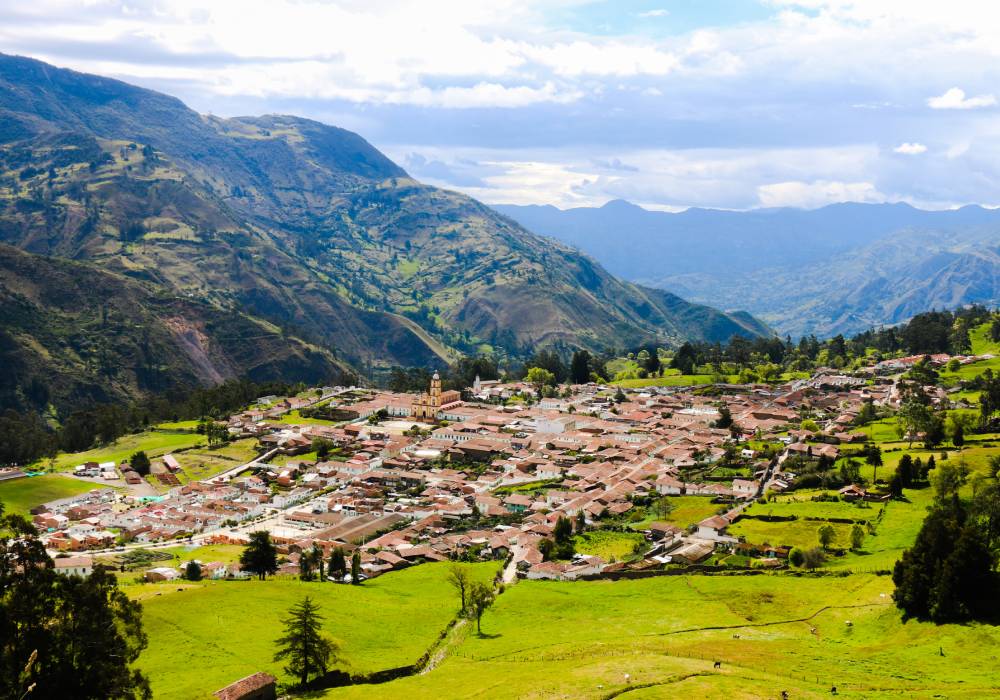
(732,104)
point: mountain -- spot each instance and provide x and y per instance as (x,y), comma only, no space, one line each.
(302,226)
(72,334)
(839,269)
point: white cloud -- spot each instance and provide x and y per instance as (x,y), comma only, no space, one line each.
(955,99)
(659,12)
(810,195)
(910,149)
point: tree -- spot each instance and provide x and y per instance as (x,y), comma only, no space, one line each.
(913,417)
(540,378)
(958,436)
(458,577)
(651,363)
(322,448)
(904,470)
(685,359)
(192,572)
(579,369)
(947,575)
(260,556)
(934,434)
(308,650)
(63,636)
(140,463)
(826,535)
(338,564)
(563,530)
(947,478)
(547,548)
(619,395)
(725,417)
(480,599)
(356,568)
(813,558)
(796,557)
(857,536)
(581,522)
(873,457)
(317,559)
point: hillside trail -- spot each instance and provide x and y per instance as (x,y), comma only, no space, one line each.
(453,638)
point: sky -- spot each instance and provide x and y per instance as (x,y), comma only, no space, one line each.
(733,104)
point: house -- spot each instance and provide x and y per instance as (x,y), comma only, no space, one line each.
(162,573)
(667,485)
(852,492)
(259,686)
(78,566)
(517,503)
(714,528)
(745,488)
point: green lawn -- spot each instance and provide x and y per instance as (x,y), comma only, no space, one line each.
(210,634)
(155,443)
(295,418)
(21,495)
(608,544)
(547,639)
(688,510)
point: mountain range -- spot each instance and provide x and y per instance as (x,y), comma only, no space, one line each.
(204,248)
(842,268)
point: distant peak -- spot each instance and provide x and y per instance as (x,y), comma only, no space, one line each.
(621,204)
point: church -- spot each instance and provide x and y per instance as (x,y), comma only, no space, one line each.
(427,406)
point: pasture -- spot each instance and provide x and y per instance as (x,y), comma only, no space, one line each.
(21,495)
(205,635)
(154,442)
(769,633)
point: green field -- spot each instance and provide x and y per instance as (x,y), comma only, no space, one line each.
(608,544)
(209,634)
(688,510)
(579,640)
(154,442)
(21,495)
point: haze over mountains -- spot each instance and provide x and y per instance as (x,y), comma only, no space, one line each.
(302,237)
(839,269)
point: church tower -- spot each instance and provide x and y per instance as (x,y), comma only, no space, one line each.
(435,396)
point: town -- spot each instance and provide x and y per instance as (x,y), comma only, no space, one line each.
(489,473)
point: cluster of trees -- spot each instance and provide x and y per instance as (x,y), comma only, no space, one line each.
(949,575)
(25,437)
(927,333)
(475,596)
(260,558)
(560,545)
(63,636)
(458,376)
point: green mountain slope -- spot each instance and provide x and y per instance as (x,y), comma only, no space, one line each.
(72,333)
(300,224)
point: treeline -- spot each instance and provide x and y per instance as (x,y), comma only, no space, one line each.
(925,334)
(25,437)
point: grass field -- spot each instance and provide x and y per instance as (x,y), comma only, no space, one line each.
(21,495)
(548,639)
(608,544)
(155,443)
(209,634)
(688,510)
